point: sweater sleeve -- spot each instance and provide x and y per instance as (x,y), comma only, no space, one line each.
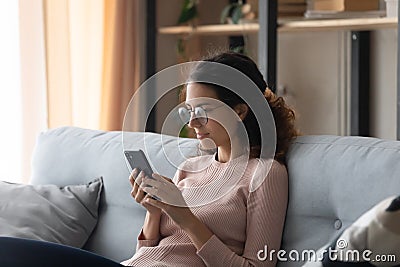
(141,242)
(266,210)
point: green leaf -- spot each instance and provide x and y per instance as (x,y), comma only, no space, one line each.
(238,49)
(237,14)
(190,3)
(188,12)
(183,132)
(225,13)
(180,46)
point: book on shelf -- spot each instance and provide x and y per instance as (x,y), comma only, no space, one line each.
(343,5)
(291,2)
(313,14)
(291,8)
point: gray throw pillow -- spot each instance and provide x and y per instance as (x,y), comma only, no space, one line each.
(65,215)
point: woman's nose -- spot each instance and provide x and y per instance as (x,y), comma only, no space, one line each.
(194,122)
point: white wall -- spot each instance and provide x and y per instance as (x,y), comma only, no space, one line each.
(314,68)
(310,67)
(383,83)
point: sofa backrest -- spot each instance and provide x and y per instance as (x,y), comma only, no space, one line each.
(333,180)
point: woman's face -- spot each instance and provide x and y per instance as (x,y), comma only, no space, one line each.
(202,95)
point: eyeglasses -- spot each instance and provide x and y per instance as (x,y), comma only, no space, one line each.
(199,114)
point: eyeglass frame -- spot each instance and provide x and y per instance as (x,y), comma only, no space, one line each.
(192,110)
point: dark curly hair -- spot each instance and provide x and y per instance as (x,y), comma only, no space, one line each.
(283,115)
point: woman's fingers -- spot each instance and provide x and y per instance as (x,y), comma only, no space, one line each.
(151,191)
(149,201)
(132,177)
(139,178)
(142,184)
(165,190)
(151,186)
(161,178)
(137,193)
(151,182)
(140,195)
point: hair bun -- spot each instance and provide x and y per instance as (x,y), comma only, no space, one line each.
(268,92)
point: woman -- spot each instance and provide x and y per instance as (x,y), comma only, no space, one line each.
(220,209)
(230,229)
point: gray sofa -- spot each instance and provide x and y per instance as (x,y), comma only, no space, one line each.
(332,179)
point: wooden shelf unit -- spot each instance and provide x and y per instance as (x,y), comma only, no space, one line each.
(300,25)
(267,28)
(354,24)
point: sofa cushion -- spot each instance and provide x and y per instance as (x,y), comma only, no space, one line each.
(326,173)
(333,180)
(65,215)
(67,155)
(375,235)
(372,240)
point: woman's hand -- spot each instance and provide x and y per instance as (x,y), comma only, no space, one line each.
(136,180)
(168,197)
(151,226)
(173,204)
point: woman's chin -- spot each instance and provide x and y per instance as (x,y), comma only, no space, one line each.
(207,143)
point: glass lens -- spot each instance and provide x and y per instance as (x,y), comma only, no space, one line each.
(200,115)
(184,114)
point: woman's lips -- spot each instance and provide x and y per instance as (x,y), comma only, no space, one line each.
(201,136)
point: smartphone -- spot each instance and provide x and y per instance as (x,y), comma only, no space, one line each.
(137,159)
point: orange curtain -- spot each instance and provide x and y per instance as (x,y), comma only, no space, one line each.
(121,59)
(94,58)
(73,35)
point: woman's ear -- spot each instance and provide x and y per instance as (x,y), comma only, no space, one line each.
(242,110)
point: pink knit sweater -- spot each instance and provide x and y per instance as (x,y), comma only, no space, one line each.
(243,221)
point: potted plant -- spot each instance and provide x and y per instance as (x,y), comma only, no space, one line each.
(188,12)
(187,16)
(234,13)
